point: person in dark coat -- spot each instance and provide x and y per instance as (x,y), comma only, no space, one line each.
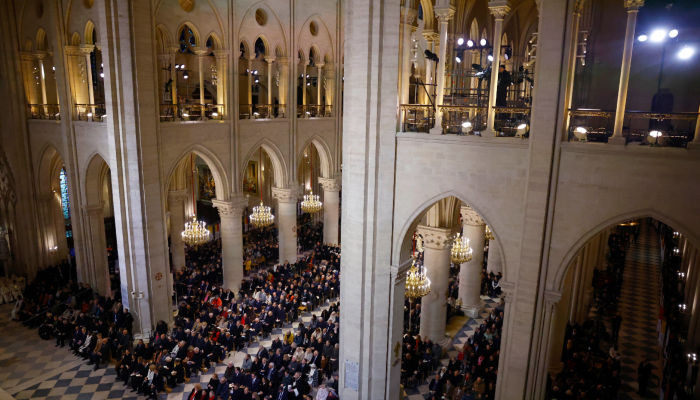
(643,373)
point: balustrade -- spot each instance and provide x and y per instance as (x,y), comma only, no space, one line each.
(44,111)
(90,112)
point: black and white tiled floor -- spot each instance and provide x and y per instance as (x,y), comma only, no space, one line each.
(639,304)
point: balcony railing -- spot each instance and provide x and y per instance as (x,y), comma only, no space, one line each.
(44,111)
(314,111)
(90,112)
(418,117)
(261,111)
(590,125)
(191,112)
(462,120)
(512,121)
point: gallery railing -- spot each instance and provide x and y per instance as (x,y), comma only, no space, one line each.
(44,111)
(261,111)
(90,112)
(314,111)
(417,117)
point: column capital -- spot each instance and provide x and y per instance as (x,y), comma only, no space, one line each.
(436,238)
(98,45)
(399,273)
(499,8)
(269,59)
(40,55)
(72,50)
(201,51)
(330,184)
(230,209)
(578,6)
(408,15)
(221,54)
(320,65)
(178,195)
(282,60)
(633,5)
(508,290)
(26,56)
(444,13)
(431,36)
(86,49)
(551,298)
(286,195)
(172,50)
(470,217)
(93,210)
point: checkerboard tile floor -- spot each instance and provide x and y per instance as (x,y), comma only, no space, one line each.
(457,342)
(639,305)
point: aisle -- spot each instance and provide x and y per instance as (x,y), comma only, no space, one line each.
(639,305)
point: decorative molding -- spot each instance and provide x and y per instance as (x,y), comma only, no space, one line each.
(436,238)
(40,55)
(269,59)
(508,290)
(178,195)
(86,49)
(201,52)
(399,272)
(286,195)
(26,56)
(330,184)
(578,6)
(470,217)
(408,15)
(72,50)
(499,9)
(221,54)
(230,209)
(431,36)
(551,298)
(633,4)
(444,13)
(93,210)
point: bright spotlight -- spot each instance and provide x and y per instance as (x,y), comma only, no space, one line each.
(89,114)
(482,42)
(522,126)
(642,38)
(185,75)
(470,43)
(655,134)
(490,57)
(658,35)
(102,74)
(466,127)
(466,124)
(177,66)
(521,130)
(459,60)
(255,72)
(215,114)
(686,53)
(460,41)
(581,129)
(673,33)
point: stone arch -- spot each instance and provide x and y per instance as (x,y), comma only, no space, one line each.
(301,56)
(324,154)
(223,190)
(195,32)
(324,35)
(246,47)
(557,281)
(89,29)
(75,39)
(327,58)
(474,31)
(279,165)
(95,173)
(215,41)
(279,51)
(28,46)
(402,240)
(163,40)
(266,44)
(428,15)
(41,41)
(314,54)
(50,157)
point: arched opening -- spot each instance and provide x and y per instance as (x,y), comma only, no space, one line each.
(310,225)
(628,302)
(452,333)
(191,70)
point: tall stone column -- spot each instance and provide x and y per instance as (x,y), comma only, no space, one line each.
(283,71)
(474,229)
(201,53)
(97,248)
(303,66)
(231,213)
(250,84)
(42,76)
(430,37)
(573,52)
(222,80)
(444,14)
(269,61)
(436,258)
(499,9)
(173,74)
(408,15)
(319,86)
(331,209)
(86,50)
(287,222)
(495,263)
(632,7)
(176,201)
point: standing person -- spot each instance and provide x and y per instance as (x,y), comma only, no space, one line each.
(616,323)
(504,83)
(643,373)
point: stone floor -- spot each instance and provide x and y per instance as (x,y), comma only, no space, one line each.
(639,305)
(458,341)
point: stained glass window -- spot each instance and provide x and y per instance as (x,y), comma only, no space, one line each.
(65,202)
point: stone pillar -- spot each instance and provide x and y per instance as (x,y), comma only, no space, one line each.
(287,222)
(546,342)
(319,85)
(408,15)
(495,263)
(269,61)
(176,201)
(42,77)
(329,85)
(173,75)
(87,49)
(303,85)
(30,83)
(201,53)
(222,80)
(97,248)
(444,14)
(573,60)
(499,9)
(560,318)
(436,258)
(331,209)
(250,84)
(632,7)
(474,229)
(283,70)
(231,213)
(430,38)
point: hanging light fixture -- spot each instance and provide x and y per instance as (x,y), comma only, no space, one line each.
(461,252)
(195,232)
(261,216)
(489,234)
(417,283)
(311,203)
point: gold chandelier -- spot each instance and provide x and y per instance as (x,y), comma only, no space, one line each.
(461,252)
(261,216)
(489,234)
(311,203)
(417,284)
(195,233)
